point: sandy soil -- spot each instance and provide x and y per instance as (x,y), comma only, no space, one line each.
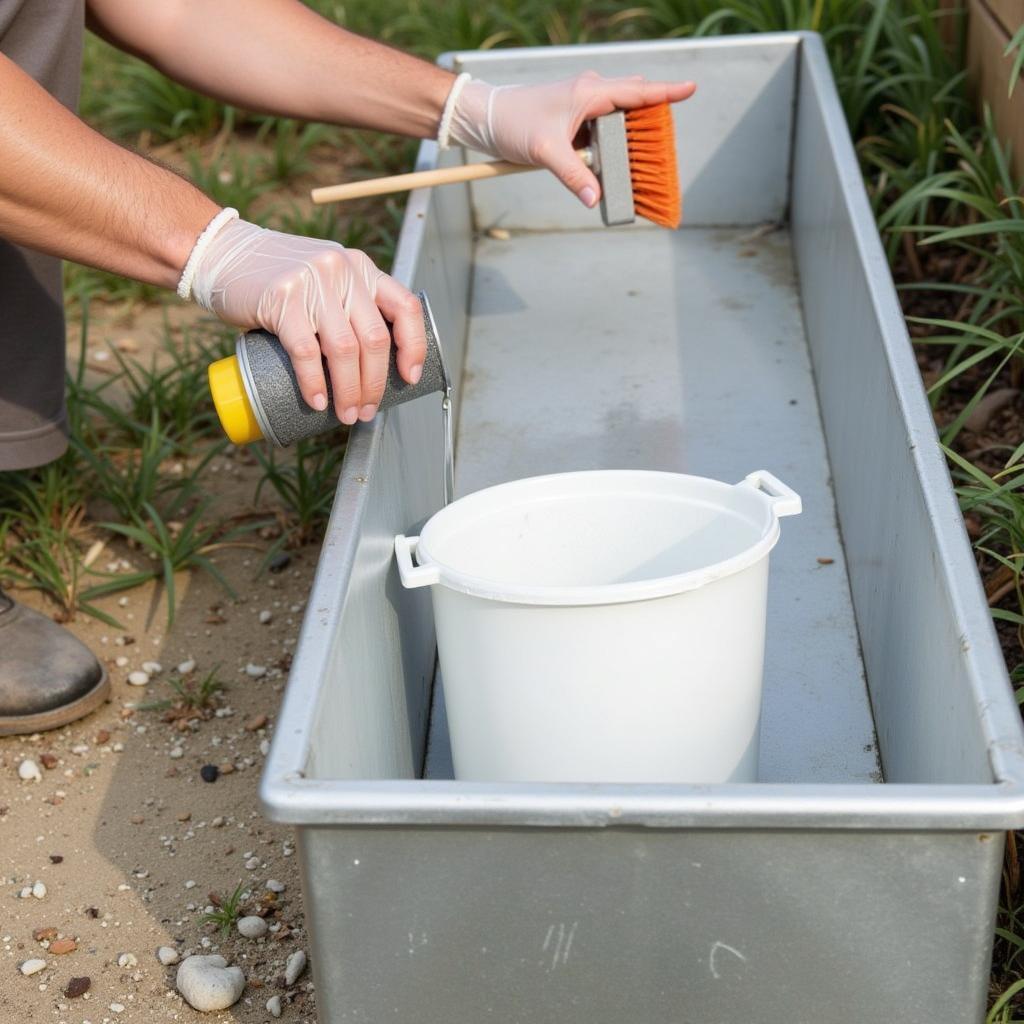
(127,838)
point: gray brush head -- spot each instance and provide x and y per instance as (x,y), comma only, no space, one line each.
(611,165)
(278,404)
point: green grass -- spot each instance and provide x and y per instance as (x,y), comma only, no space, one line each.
(227,913)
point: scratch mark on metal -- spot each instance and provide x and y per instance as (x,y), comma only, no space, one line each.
(558,945)
(711,957)
(568,944)
(547,938)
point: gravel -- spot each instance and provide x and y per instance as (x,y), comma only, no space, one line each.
(207,983)
(28,771)
(30,967)
(252,927)
(167,955)
(294,967)
(138,678)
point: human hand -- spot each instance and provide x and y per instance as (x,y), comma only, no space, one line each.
(537,124)
(324,302)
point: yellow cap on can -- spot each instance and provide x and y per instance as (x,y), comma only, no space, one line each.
(231,401)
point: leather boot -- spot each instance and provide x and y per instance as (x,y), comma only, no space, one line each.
(48,678)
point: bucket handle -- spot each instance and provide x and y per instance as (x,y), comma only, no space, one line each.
(784,500)
(413,575)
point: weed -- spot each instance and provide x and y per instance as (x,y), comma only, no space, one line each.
(193,696)
(290,146)
(230,179)
(227,912)
(304,483)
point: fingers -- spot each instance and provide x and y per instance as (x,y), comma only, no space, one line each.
(341,350)
(303,350)
(563,161)
(374,350)
(603,95)
(404,311)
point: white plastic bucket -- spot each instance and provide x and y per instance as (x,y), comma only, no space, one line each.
(602,626)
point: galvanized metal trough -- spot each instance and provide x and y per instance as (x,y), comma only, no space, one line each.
(765,333)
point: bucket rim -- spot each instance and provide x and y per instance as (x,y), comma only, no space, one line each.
(774,504)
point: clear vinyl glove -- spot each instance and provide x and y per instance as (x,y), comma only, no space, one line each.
(538,124)
(324,302)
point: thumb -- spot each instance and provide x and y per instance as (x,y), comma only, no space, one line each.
(574,174)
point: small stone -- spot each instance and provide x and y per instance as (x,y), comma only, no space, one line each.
(136,819)
(294,966)
(122,602)
(49,761)
(255,671)
(185,816)
(274,1006)
(187,666)
(138,678)
(252,927)
(44,934)
(265,616)
(167,955)
(274,885)
(30,967)
(117,1007)
(121,661)
(227,768)
(126,960)
(252,864)
(264,747)
(77,987)
(28,771)
(499,234)
(209,773)
(154,668)
(56,858)
(102,737)
(190,884)
(177,753)
(256,723)
(280,562)
(61,947)
(208,984)
(217,822)
(39,890)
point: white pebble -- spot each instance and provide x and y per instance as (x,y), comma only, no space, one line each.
(207,983)
(154,668)
(265,616)
(252,864)
(167,955)
(186,666)
(138,678)
(28,771)
(39,891)
(294,966)
(121,661)
(252,927)
(255,671)
(123,602)
(264,747)
(117,1007)
(274,1006)
(177,753)
(190,884)
(26,893)
(80,749)
(127,960)
(274,885)
(30,967)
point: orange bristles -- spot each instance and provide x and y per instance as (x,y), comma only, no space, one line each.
(650,139)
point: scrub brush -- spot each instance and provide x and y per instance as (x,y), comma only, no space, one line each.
(632,152)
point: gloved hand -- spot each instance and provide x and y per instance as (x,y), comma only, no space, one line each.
(537,124)
(319,298)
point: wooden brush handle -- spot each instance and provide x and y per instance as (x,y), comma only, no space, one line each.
(417,179)
(425,179)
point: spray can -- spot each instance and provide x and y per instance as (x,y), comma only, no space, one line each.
(257,395)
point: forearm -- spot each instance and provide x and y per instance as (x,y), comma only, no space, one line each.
(67,191)
(279,57)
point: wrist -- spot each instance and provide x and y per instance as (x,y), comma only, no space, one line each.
(472,116)
(199,248)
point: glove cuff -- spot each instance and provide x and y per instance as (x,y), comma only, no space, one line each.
(200,247)
(445,127)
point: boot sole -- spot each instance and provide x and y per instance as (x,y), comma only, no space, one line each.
(43,721)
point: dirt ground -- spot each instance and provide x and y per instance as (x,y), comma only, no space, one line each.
(130,843)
